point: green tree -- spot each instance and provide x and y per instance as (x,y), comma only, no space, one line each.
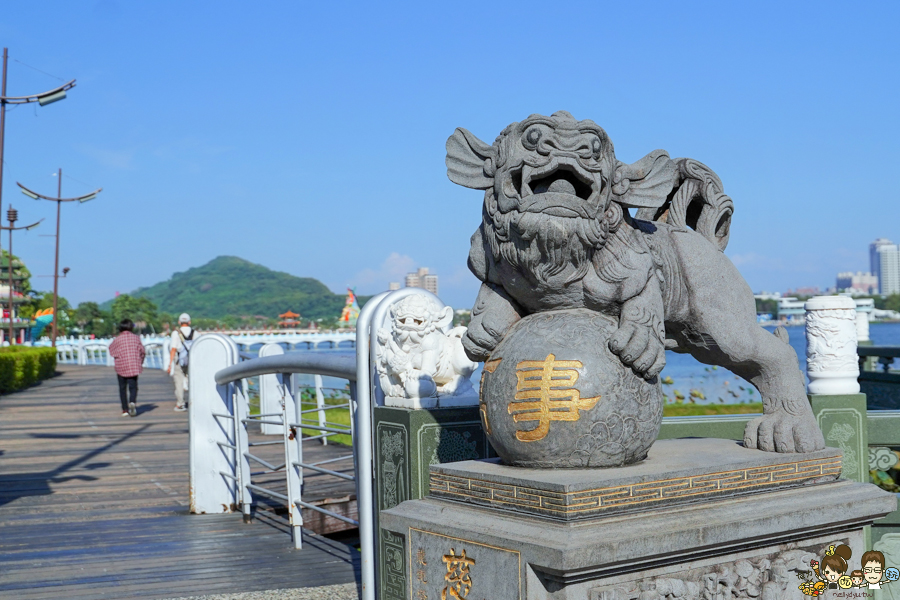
(462,318)
(91,320)
(328,323)
(206,324)
(19,270)
(892,302)
(767,306)
(142,311)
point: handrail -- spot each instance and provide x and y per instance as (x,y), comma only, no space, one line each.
(885,351)
(331,365)
(284,367)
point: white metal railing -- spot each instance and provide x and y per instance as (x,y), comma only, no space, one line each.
(66,354)
(71,351)
(271,395)
(291,420)
(86,351)
(221,454)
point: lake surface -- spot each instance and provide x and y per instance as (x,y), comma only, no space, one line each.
(709,384)
(718,385)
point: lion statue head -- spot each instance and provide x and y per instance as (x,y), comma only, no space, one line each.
(415,317)
(554,190)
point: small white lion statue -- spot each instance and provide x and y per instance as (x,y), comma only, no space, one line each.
(420,356)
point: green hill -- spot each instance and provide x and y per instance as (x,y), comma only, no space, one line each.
(232,286)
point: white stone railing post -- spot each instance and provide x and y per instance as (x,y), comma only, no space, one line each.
(864,308)
(832,361)
(320,404)
(241,414)
(271,399)
(293,453)
(213,448)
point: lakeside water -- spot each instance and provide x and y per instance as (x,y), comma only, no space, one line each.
(718,385)
(710,384)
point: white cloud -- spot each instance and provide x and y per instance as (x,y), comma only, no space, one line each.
(394,268)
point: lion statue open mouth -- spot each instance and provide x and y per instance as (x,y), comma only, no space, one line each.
(556,233)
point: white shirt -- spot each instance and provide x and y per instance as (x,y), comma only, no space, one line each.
(176,337)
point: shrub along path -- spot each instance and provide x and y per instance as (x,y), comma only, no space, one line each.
(94,505)
(22,366)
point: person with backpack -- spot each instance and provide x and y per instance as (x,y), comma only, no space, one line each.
(128,350)
(182,338)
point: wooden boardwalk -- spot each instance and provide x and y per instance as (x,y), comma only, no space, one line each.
(94,505)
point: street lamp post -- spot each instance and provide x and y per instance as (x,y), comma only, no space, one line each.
(12,215)
(43,99)
(59,200)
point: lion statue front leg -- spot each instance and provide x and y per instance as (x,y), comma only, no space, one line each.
(787,424)
(640,339)
(719,328)
(492,316)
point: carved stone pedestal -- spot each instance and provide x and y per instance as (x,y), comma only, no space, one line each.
(409,441)
(699,518)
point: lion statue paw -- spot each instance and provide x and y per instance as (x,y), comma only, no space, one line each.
(782,432)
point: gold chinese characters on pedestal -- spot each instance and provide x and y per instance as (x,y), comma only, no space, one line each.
(458,579)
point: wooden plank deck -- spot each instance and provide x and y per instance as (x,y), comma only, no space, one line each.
(94,505)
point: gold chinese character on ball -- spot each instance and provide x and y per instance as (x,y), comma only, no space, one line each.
(545,392)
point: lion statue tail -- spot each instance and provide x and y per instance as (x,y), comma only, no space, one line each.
(697,202)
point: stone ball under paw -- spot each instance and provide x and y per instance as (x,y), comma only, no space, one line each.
(553,395)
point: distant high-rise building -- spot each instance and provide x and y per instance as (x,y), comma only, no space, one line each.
(394,285)
(857,283)
(873,253)
(430,283)
(422,279)
(889,269)
(804,291)
(875,257)
(412,280)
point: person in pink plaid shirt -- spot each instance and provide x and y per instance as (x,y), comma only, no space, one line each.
(129,353)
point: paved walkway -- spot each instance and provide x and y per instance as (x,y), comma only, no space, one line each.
(93,505)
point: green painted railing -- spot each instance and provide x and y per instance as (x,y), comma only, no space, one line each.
(877,380)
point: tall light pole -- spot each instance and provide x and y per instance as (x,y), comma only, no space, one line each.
(43,99)
(12,215)
(59,200)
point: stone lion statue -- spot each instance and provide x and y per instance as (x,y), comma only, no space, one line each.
(416,359)
(556,233)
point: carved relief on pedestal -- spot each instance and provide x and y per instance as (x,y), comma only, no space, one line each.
(832,361)
(393,565)
(393,453)
(882,459)
(420,359)
(775,576)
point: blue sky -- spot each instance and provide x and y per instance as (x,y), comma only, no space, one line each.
(309,137)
